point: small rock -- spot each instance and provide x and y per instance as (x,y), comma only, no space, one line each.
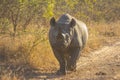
(101,73)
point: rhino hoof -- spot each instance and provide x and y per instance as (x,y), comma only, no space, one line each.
(60,72)
(71,69)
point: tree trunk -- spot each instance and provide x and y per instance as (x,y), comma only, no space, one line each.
(14,29)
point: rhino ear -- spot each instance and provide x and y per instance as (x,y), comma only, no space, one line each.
(72,23)
(52,21)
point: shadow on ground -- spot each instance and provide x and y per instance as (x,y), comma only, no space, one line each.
(26,72)
(37,74)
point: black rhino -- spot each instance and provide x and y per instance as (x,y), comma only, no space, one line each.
(67,37)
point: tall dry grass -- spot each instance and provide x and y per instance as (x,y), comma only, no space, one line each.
(101,34)
(31,49)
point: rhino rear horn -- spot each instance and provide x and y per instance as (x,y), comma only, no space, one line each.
(52,21)
(72,23)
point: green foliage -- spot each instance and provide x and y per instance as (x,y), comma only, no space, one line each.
(4,25)
(49,10)
(25,12)
(90,4)
(71,3)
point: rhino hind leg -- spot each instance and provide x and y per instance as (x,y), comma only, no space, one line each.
(61,60)
(75,54)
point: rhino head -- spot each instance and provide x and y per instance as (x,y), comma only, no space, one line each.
(63,30)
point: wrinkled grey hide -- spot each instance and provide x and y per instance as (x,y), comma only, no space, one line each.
(67,37)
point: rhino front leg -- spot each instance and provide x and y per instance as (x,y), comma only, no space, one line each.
(61,60)
(75,54)
(68,62)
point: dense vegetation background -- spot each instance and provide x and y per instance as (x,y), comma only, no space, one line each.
(24,26)
(25,12)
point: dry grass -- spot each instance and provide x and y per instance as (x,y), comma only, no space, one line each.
(101,34)
(31,49)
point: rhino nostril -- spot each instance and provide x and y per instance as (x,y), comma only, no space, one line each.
(59,37)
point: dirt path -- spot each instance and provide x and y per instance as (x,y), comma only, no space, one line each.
(102,64)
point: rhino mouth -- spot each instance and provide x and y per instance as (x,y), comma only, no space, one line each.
(60,45)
